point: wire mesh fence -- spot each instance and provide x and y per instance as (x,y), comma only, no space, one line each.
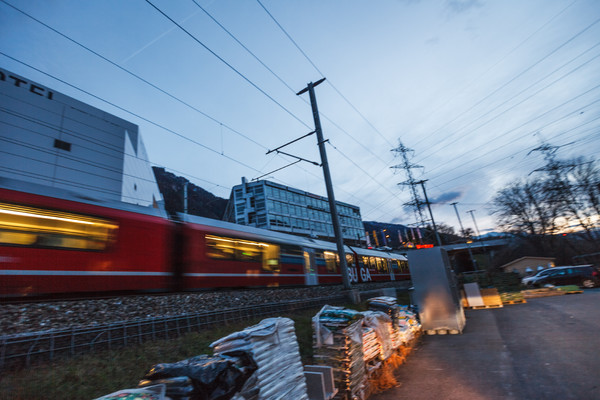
(27,348)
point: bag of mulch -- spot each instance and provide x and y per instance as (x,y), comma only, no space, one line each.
(212,377)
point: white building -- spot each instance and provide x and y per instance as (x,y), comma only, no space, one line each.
(51,139)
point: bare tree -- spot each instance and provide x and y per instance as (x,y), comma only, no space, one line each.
(582,203)
(524,207)
(562,197)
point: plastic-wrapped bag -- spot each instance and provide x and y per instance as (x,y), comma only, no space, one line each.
(180,387)
(211,377)
(154,392)
(380,322)
(274,348)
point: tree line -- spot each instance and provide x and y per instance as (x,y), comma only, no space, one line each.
(554,211)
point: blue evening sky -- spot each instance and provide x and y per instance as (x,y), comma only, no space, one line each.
(472,86)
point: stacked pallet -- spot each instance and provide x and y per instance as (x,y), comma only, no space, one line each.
(407,323)
(381,323)
(512,298)
(274,348)
(338,343)
(385,304)
(542,292)
(371,346)
(404,323)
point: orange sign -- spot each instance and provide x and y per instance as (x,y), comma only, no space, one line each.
(424,246)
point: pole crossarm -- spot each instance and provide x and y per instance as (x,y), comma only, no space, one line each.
(278,169)
(299,158)
(317,83)
(293,141)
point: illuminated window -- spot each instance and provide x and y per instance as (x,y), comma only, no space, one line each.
(37,227)
(382,265)
(330,261)
(243,250)
(350,260)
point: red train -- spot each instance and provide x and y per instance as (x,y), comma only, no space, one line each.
(54,242)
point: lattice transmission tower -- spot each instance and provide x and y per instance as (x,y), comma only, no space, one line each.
(417,203)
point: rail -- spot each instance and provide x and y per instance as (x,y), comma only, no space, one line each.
(27,348)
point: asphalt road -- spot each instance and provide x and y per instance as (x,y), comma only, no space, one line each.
(548,348)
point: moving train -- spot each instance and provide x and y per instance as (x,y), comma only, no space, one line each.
(56,242)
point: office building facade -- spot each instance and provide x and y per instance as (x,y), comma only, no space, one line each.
(269,205)
(51,139)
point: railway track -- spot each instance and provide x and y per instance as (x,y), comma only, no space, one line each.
(70,338)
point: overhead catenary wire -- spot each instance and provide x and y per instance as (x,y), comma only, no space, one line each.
(322,74)
(221,124)
(465,134)
(539,29)
(133,74)
(244,77)
(134,114)
(552,110)
(324,115)
(523,72)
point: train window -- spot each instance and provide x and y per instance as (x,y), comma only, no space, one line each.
(243,250)
(350,260)
(365,261)
(372,263)
(292,250)
(383,263)
(271,258)
(330,261)
(403,265)
(248,251)
(37,227)
(221,248)
(394,264)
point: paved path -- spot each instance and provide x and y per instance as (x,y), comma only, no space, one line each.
(546,349)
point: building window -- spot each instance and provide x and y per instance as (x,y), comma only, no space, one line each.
(62,145)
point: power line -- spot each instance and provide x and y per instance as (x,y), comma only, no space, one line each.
(229,65)
(359,167)
(133,74)
(520,74)
(319,71)
(497,63)
(485,166)
(132,113)
(520,126)
(459,130)
(283,81)
(170,95)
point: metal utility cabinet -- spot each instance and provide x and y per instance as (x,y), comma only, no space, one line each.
(436,291)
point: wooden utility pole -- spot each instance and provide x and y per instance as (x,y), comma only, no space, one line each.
(332,206)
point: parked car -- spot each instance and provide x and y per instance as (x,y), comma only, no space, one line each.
(585,276)
(528,280)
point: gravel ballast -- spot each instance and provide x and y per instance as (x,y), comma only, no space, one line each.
(42,316)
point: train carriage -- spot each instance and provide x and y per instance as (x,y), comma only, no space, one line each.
(52,241)
(56,242)
(223,254)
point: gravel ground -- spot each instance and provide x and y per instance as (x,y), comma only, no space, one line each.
(41,316)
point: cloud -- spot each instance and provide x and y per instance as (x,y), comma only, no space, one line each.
(399,220)
(461,6)
(433,41)
(446,197)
